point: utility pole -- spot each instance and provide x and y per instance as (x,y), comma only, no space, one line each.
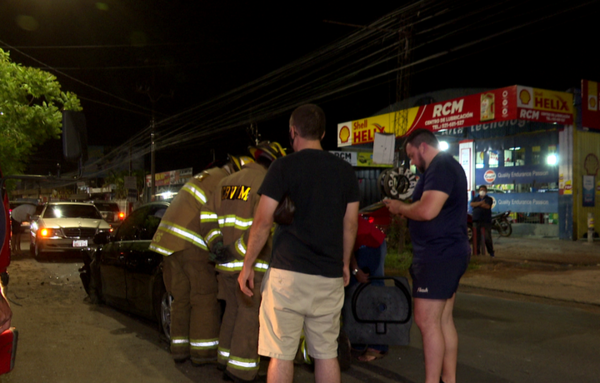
(253,133)
(154,97)
(403,75)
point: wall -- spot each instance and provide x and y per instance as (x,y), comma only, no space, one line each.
(586,162)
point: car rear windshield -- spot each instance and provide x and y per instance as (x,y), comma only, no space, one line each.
(106,206)
(72,211)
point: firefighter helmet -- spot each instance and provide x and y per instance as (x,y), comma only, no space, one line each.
(269,150)
(238,161)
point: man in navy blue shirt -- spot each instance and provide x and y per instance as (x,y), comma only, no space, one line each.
(438,228)
(482,217)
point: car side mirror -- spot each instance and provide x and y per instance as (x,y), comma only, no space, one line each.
(102,238)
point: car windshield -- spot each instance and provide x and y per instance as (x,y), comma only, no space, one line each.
(72,211)
(106,206)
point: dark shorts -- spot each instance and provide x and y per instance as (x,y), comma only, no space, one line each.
(437,280)
(16,227)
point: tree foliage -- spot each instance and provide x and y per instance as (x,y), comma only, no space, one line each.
(31,105)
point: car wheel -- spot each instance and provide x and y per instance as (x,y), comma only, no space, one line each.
(164,309)
(344,351)
(505,229)
(38,253)
(90,277)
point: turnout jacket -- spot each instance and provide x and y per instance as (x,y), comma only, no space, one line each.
(228,214)
(179,228)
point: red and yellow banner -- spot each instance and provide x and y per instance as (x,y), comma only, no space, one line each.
(173,177)
(590,113)
(510,103)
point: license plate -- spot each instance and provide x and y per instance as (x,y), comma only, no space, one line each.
(80,243)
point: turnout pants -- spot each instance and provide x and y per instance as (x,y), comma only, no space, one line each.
(238,339)
(195,312)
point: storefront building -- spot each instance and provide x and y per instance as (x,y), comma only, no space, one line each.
(536,150)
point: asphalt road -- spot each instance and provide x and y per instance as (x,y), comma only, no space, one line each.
(63,338)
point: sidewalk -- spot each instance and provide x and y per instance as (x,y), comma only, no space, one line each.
(541,267)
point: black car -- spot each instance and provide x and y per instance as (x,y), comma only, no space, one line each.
(122,272)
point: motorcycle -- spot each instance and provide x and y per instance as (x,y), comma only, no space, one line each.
(501,223)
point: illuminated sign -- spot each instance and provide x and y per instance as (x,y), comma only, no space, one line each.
(504,104)
(590,116)
(489,176)
(359,159)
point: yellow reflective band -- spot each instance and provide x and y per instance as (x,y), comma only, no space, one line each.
(307,358)
(231,266)
(204,344)
(183,233)
(180,341)
(212,235)
(243,364)
(240,246)
(160,250)
(235,221)
(208,216)
(261,266)
(223,352)
(196,192)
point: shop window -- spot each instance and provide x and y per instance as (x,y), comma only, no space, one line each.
(518,154)
(508,158)
(479,160)
(493,158)
(514,156)
(536,155)
(503,188)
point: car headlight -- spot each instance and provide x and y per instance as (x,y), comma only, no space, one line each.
(48,233)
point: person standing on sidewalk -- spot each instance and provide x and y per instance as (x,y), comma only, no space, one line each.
(189,275)
(304,287)
(438,228)
(482,218)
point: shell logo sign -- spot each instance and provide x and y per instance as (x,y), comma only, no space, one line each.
(344,134)
(525,97)
(489,176)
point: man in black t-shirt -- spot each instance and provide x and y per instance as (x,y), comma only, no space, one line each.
(482,218)
(311,256)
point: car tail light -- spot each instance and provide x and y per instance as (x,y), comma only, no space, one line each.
(371,219)
(121,216)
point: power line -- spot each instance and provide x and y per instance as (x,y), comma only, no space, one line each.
(75,79)
(107,46)
(334,69)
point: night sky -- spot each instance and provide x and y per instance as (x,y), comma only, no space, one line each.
(122,58)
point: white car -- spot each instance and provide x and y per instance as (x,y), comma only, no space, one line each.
(65,226)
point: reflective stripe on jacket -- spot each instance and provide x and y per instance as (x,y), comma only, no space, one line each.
(228,214)
(180,226)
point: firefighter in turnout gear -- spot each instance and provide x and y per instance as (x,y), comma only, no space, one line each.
(226,219)
(188,274)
